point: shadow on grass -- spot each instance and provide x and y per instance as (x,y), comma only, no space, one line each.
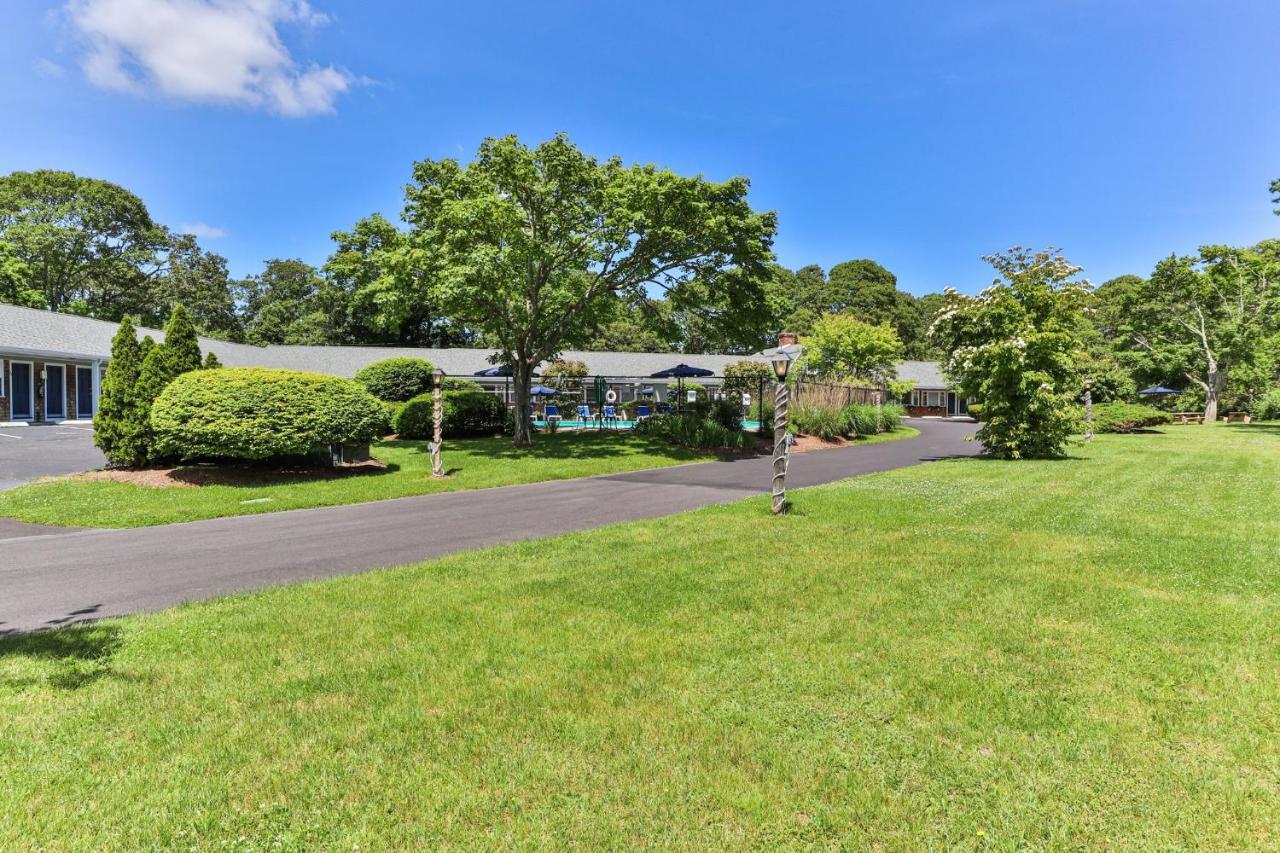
(253,476)
(66,658)
(563,445)
(1271,429)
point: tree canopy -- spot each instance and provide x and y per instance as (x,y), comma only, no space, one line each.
(845,347)
(529,245)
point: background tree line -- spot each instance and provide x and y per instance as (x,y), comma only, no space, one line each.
(86,246)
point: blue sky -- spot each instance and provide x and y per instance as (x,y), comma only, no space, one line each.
(919,134)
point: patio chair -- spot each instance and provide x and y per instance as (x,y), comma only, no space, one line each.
(664,408)
(584,414)
(550,412)
(642,412)
(610,416)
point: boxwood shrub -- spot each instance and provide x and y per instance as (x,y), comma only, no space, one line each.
(397,379)
(1125,417)
(463,414)
(260,413)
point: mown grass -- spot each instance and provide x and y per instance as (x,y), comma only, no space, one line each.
(972,653)
(469,464)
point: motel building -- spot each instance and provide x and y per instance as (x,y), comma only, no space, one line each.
(52,366)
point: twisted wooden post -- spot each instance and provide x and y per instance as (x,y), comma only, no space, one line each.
(780,447)
(437,465)
(1088,411)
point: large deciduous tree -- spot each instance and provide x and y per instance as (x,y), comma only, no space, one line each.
(87,243)
(1205,315)
(15,281)
(376,292)
(528,245)
(841,346)
(1016,349)
(283,305)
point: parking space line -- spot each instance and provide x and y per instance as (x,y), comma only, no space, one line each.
(6,435)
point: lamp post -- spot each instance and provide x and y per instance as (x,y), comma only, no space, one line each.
(781,440)
(437,466)
(1088,410)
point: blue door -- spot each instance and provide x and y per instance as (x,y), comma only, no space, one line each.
(21,404)
(55,392)
(84,392)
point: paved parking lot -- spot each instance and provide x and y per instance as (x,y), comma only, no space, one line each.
(29,453)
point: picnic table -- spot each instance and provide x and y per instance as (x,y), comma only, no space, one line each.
(1188,417)
(1238,418)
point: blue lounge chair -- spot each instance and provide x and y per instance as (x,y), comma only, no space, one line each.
(550,412)
(584,415)
(610,416)
(642,412)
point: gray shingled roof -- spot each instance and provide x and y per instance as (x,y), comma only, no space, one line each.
(925,374)
(47,333)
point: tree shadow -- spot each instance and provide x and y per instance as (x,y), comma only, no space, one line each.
(65,658)
(252,476)
(1270,428)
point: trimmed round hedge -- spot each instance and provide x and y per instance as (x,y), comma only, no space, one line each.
(463,414)
(397,379)
(260,413)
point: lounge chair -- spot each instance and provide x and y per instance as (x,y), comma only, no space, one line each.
(584,415)
(550,412)
(610,415)
(642,412)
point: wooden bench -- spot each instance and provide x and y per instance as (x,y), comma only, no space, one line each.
(1188,417)
(1238,418)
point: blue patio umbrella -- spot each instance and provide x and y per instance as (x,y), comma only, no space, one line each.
(499,370)
(542,391)
(1158,389)
(679,372)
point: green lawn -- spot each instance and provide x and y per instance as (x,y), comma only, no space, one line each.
(470,464)
(973,653)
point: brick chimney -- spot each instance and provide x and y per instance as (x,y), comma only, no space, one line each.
(786,339)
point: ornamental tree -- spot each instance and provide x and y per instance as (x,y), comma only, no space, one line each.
(1015,348)
(119,425)
(746,377)
(844,347)
(529,245)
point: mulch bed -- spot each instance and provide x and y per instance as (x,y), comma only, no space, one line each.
(194,476)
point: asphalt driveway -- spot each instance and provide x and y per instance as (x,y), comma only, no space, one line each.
(31,452)
(53,576)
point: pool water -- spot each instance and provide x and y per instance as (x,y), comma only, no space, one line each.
(619,424)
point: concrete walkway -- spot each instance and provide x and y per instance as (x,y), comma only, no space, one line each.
(58,576)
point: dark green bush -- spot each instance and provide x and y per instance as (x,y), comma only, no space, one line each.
(397,379)
(259,413)
(695,431)
(1267,407)
(463,414)
(1126,417)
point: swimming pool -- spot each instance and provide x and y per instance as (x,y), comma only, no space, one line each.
(619,424)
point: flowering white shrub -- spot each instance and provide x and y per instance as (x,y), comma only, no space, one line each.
(1014,348)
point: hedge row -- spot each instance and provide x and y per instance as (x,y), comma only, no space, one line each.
(463,414)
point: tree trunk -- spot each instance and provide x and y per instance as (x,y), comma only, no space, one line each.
(523,418)
(1213,388)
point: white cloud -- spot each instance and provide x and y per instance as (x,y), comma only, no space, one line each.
(199,229)
(207,51)
(49,68)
